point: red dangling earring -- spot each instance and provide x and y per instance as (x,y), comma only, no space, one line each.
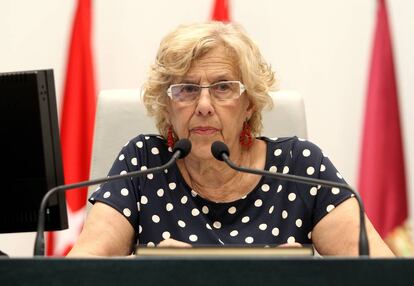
(246,138)
(170,137)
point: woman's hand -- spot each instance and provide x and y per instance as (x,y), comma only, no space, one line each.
(169,242)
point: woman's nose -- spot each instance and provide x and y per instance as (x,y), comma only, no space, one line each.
(204,104)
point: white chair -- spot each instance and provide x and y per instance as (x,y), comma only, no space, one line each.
(120,116)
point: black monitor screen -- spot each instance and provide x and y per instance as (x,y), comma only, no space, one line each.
(30,151)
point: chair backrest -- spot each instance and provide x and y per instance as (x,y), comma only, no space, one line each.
(120,116)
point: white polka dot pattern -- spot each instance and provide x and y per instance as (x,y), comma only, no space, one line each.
(306,153)
(258,203)
(279,188)
(335,191)
(245,219)
(310,170)
(166,235)
(329,208)
(291,239)
(184,200)
(234,233)
(205,210)
(249,240)
(263,226)
(169,207)
(195,212)
(144,200)
(232,210)
(217,224)
(162,206)
(155,218)
(124,192)
(127,212)
(265,188)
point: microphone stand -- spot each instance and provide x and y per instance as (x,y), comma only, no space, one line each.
(39,248)
(363,238)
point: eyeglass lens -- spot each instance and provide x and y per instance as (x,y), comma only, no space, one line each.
(220,90)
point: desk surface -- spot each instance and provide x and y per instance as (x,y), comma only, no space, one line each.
(211,271)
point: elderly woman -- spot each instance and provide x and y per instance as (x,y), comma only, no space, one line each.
(209,82)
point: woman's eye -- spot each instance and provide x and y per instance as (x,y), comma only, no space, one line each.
(223,87)
(190,88)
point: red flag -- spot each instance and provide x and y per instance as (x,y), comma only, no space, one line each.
(382,181)
(221,11)
(77,125)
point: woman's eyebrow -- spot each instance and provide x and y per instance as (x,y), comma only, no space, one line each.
(213,78)
(222,77)
(190,79)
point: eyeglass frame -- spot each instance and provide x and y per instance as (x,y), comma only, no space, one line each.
(241,86)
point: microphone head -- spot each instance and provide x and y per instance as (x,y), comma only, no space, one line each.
(183,145)
(218,148)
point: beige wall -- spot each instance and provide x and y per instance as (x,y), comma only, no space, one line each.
(320,48)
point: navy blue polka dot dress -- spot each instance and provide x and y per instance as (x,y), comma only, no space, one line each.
(161,206)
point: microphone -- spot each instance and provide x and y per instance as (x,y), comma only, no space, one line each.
(221,152)
(181,149)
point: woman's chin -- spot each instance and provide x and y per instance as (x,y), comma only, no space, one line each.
(201,150)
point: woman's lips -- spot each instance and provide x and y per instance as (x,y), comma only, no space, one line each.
(204,130)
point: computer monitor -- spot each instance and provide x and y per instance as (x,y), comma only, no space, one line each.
(30,152)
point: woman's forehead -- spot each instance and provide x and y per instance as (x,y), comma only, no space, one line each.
(215,63)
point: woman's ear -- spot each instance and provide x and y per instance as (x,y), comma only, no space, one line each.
(251,108)
(167,114)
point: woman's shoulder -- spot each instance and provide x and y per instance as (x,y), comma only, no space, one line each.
(293,153)
(292,143)
(146,141)
(150,138)
(146,147)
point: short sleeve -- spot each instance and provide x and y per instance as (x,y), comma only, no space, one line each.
(312,162)
(122,194)
(328,198)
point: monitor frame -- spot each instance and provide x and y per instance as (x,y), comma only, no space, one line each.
(19,213)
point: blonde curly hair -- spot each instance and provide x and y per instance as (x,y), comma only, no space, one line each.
(180,48)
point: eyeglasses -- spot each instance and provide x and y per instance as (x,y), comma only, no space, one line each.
(221,91)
